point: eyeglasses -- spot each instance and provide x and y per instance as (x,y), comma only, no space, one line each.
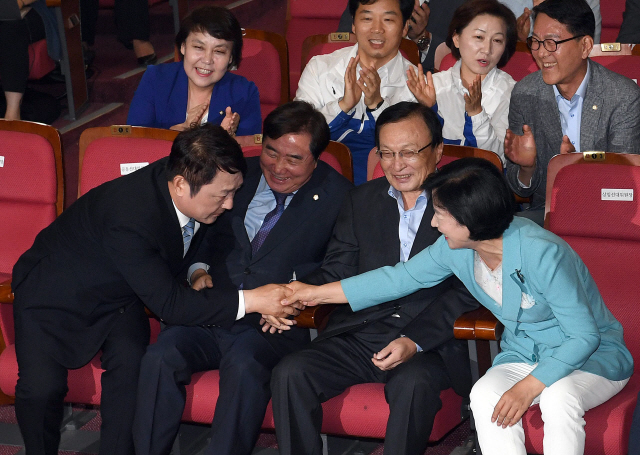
(407,155)
(549,44)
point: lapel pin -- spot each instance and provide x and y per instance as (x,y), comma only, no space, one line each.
(315,197)
(595,108)
(221,112)
(520,276)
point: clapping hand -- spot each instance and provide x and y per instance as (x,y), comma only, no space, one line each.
(521,150)
(369,83)
(566,146)
(473,101)
(230,121)
(421,86)
(352,90)
(523,25)
(194,117)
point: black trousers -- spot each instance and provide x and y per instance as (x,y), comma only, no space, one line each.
(42,386)
(15,37)
(132,20)
(245,360)
(324,369)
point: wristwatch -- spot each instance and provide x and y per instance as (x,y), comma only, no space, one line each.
(424,41)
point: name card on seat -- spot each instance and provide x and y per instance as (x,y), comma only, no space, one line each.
(616,194)
(128,168)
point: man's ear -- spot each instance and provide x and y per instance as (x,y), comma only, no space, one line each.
(405,30)
(439,150)
(181,187)
(587,46)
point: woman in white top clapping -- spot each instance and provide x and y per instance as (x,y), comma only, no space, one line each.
(472,97)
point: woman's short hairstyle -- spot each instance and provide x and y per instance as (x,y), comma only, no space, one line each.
(476,194)
(200,152)
(298,117)
(216,21)
(406,7)
(468,11)
(576,15)
(407,109)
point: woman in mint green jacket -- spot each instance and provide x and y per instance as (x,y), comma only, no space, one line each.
(561,347)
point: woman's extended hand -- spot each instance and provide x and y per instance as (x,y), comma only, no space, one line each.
(473,101)
(515,401)
(230,121)
(314,295)
(422,86)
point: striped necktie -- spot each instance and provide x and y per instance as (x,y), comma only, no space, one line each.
(269,222)
(187,234)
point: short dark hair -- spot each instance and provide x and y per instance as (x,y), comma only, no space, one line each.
(198,153)
(576,15)
(216,21)
(298,117)
(468,11)
(406,7)
(476,194)
(407,109)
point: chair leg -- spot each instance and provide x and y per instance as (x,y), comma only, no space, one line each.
(72,63)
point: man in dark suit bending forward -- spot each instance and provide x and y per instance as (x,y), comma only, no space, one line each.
(83,285)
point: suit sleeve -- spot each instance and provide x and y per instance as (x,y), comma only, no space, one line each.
(517,119)
(433,326)
(390,283)
(343,252)
(142,111)
(624,123)
(489,131)
(141,263)
(248,107)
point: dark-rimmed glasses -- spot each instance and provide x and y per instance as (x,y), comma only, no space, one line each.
(549,44)
(407,155)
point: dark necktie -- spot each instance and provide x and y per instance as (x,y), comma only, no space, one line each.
(187,234)
(269,222)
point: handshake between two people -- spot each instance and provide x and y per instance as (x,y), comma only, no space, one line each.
(277,303)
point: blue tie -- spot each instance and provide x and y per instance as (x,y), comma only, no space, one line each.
(269,222)
(187,234)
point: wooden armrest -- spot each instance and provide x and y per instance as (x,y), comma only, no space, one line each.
(479,324)
(522,200)
(6,296)
(314,317)
(54,3)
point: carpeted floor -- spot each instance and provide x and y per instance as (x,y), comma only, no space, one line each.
(84,440)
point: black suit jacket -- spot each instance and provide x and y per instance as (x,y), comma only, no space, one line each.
(297,243)
(366,238)
(116,248)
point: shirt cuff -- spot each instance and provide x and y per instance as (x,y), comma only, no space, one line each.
(241,308)
(522,185)
(194,267)
(418,348)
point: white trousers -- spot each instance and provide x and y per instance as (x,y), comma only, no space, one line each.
(562,404)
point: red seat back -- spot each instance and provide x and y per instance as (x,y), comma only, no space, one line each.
(31,194)
(105,156)
(40,64)
(605,233)
(627,65)
(308,18)
(265,62)
(611,12)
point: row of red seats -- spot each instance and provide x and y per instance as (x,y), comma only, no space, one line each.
(605,233)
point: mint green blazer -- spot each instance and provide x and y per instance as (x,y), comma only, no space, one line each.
(567,328)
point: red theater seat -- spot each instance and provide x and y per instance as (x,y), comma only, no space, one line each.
(31,196)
